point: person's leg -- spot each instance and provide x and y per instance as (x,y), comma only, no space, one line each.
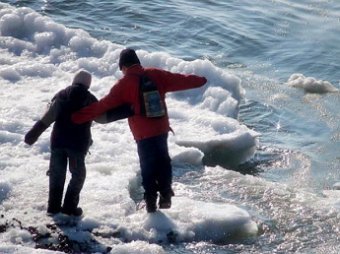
(164,178)
(57,175)
(164,172)
(148,165)
(78,175)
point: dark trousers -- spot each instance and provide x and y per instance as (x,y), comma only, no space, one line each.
(155,165)
(57,176)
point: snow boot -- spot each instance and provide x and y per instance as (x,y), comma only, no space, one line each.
(150,201)
(53,211)
(165,200)
(73,212)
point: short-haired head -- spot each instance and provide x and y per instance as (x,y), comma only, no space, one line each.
(127,58)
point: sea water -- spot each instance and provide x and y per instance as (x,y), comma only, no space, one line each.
(255,152)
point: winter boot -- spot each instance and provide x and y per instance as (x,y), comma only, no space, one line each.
(55,196)
(53,211)
(150,201)
(73,212)
(165,200)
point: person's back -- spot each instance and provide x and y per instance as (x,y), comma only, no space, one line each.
(65,133)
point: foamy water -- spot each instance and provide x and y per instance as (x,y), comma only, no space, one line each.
(43,57)
(238,121)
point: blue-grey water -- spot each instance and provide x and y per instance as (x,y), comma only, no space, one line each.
(263,42)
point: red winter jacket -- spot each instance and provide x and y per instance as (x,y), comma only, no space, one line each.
(126,90)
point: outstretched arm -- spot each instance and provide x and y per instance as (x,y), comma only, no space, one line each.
(177,81)
(115,114)
(91,112)
(40,126)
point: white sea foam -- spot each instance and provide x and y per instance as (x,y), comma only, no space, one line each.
(191,220)
(336,186)
(310,84)
(40,57)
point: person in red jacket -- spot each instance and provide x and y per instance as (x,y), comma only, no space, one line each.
(144,89)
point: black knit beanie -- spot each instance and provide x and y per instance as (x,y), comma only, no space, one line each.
(127,58)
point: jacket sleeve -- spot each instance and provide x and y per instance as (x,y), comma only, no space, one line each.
(115,114)
(98,108)
(40,126)
(176,81)
(34,133)
(52,112)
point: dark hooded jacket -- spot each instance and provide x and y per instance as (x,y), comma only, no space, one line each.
(65,133)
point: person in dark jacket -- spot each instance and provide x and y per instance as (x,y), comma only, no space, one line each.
(69,142)
(150,123)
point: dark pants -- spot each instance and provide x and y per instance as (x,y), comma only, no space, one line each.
(57,176)
(155,165)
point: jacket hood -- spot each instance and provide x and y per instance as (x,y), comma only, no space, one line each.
(82,77)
